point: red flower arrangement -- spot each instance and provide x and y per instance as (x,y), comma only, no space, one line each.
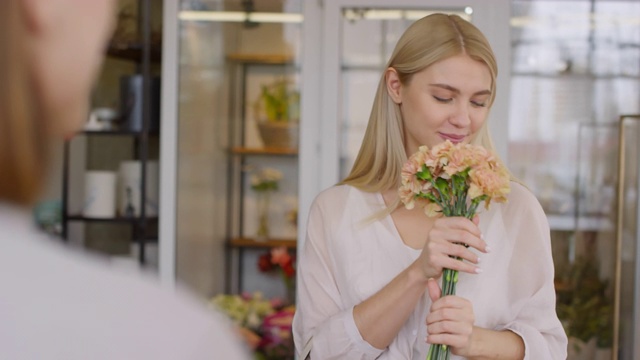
(279,259)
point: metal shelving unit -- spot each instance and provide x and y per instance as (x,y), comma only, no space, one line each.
(239,153)
(143,54)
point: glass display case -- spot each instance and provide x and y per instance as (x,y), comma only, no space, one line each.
(575,70)
(228,54)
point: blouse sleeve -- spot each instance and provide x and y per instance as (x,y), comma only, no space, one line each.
(532,292)
(323,325)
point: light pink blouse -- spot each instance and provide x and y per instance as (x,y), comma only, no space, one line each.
(346,259)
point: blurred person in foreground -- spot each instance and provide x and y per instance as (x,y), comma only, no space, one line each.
(55,304)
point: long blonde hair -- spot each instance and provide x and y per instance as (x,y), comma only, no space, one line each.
(24,132)
(429,40)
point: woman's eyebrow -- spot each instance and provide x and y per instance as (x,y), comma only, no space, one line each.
(452,89)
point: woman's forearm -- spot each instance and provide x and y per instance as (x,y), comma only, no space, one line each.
(380,317)
(495,345)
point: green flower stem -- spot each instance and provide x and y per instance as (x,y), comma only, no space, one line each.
(449,276)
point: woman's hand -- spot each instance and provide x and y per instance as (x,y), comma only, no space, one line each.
(444,243)
(450,321)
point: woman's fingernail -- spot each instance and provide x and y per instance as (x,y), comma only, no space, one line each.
(478,270)
(482,236)
(479,260)
(488,249)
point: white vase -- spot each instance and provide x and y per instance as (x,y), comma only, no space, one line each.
(264,200)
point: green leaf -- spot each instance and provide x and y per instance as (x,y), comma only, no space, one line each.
(424,174)
(442,184)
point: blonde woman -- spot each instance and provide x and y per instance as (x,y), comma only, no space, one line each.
(368,271)
(54,304)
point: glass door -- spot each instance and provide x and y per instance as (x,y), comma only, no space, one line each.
(355,41)
(235,78)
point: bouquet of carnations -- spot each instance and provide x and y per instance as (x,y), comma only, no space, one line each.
(452,180)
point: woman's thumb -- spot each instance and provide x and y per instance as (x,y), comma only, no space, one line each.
(434,289)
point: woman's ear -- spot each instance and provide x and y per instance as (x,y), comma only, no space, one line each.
(394,86)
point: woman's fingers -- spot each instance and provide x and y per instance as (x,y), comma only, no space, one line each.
(450,322)
(433,289)
(457,342)
(452,304)
(450,328)
(461,266)
(448,243)
(459,230)
(444,254)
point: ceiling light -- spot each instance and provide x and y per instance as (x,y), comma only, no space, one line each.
(388,14)
(349,14)
(239,16)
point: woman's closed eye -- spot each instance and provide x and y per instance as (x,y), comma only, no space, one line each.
(442,100)
(479,103)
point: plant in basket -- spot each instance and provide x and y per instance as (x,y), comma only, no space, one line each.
(277,111)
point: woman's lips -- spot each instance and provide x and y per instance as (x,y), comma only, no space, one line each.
(452,137)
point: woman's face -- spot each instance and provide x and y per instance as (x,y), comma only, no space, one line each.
(68,45)
(449,100)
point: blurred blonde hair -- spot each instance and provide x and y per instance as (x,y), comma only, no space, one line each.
(428,40)
(24,132)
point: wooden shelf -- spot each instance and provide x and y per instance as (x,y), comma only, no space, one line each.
(271,243)
(116,219)
(274,59)
(263,151)
(117,132)
(110,132)
(133,52)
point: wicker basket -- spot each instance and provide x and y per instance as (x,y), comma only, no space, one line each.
(279,135)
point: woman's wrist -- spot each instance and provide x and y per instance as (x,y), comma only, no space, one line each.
(484,345)
(416,275)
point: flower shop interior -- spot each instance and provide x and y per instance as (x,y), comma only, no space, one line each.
(215,123)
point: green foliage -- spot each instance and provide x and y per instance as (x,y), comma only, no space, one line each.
(280,104)
(265,185)
(424,174)
(266,180)
(583,304)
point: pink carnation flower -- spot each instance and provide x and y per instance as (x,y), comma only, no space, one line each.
(486,176)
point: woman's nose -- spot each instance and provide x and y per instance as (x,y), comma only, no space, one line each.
(460,116)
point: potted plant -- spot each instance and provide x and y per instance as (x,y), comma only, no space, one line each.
(278,113)
(582,292)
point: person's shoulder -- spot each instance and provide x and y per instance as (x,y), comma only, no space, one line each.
(519,192)
(93,296)
(334,196)
(521,200)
